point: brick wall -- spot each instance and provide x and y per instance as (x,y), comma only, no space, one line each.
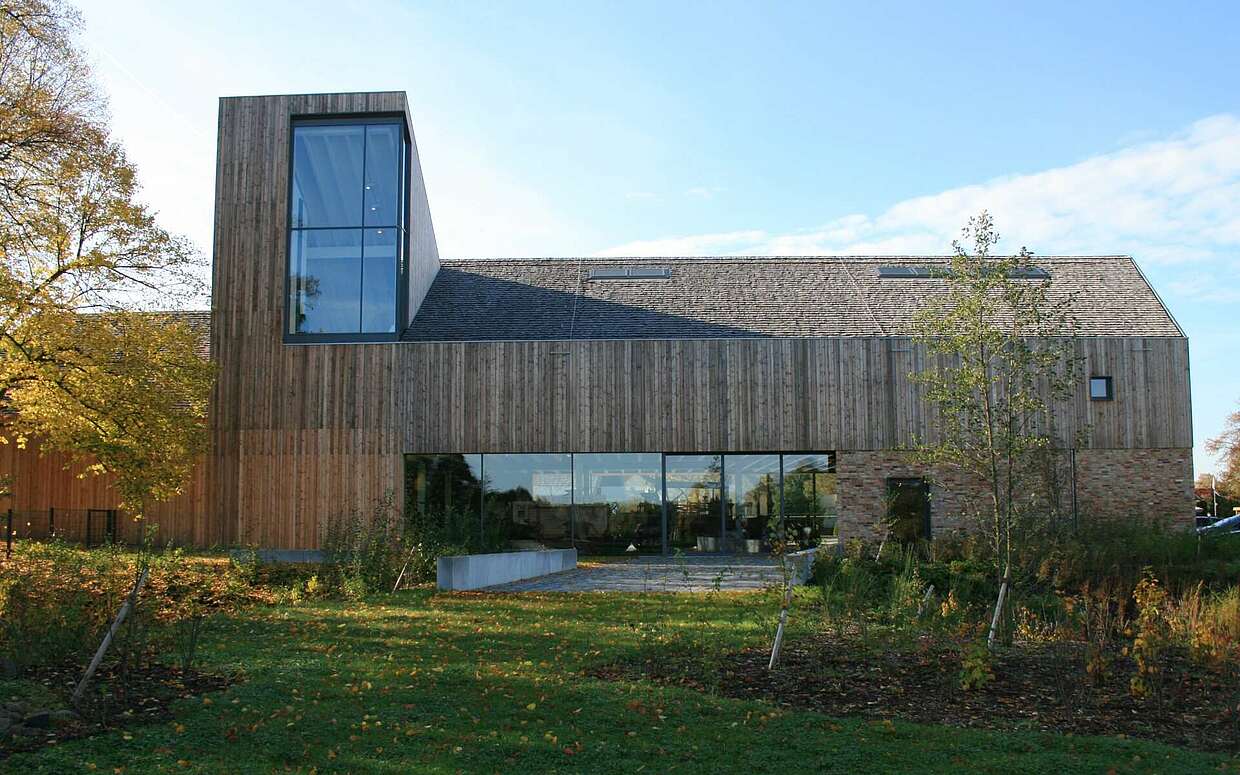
(1110,484)
(1136,483)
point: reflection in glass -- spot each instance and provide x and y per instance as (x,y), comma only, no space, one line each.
(327,175)
(529,499)
(384,166)
(346,175)
(448,490)
(908,510)
(618,503)
(325,268)
(693,502)
(605,503)
(753,500)
(811,500)
(379,281)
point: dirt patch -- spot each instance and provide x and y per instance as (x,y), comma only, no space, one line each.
(1039,687)
(147,697)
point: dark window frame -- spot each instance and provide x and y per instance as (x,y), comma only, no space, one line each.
(403,260)
(1110,387)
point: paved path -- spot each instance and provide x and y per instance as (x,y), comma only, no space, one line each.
(657,574)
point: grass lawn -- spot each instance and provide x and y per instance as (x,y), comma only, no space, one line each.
(424,682)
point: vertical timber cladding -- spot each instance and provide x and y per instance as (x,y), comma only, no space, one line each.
(711,395)
(299,432)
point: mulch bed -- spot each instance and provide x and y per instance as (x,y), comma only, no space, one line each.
(148,698)
(1035,686)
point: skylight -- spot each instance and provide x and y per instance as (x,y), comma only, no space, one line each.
(631,273)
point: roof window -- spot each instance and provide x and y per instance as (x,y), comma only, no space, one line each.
(631,273)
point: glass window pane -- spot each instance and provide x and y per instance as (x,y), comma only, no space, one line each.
(908,510)
(447,490)
(753,501)
(694,518)
(619,503)
(325,274)
(529,499)
(384,167)
(1100,387)
(327,176)
(811,499)
(379,280)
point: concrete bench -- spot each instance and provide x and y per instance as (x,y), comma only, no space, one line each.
(475,571)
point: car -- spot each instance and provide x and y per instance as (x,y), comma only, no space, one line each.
(1227,526)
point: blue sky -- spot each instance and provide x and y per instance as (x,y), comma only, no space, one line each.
(578,128)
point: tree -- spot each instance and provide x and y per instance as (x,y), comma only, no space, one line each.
(1227,446)
(87,366)
(1001,351)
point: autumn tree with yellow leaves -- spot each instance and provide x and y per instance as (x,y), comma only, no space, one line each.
(88,365)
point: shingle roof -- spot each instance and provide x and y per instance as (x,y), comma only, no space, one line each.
(501,299)
(199,321)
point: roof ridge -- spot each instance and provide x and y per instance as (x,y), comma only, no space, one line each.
(824,258)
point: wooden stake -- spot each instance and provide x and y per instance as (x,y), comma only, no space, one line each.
(403,568)
(130,601)
(921,609)
(994,621)
(783,617)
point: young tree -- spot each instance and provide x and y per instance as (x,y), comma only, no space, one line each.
(1227,446)
(1001,352)
(86,366)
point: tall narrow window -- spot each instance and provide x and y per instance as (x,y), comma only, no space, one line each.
(346,227)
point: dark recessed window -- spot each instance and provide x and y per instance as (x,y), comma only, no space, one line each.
(346,227)
(1101,389)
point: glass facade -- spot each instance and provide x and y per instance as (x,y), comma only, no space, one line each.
(528,499)
(753,500)
(694,498)
(346,227)
(613,503)
(618,502)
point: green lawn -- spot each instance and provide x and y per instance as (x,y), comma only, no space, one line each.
(423,682)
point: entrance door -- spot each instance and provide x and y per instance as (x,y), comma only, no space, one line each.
(908,509)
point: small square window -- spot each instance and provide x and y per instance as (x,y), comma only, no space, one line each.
(1100,389)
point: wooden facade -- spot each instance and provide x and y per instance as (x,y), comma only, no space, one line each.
(302,432)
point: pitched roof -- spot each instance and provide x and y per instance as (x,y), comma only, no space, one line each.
(199,321)
(745,297)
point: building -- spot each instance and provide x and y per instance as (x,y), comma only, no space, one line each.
(659,403)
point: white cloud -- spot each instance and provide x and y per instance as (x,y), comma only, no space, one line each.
(1170,201)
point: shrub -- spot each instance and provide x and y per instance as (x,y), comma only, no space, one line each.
(361,555)
(365,555)
(1207,624)
(55,602)
(976,669)
(1152,635)
(1069,559)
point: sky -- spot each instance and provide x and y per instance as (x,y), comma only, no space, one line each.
(773,128)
